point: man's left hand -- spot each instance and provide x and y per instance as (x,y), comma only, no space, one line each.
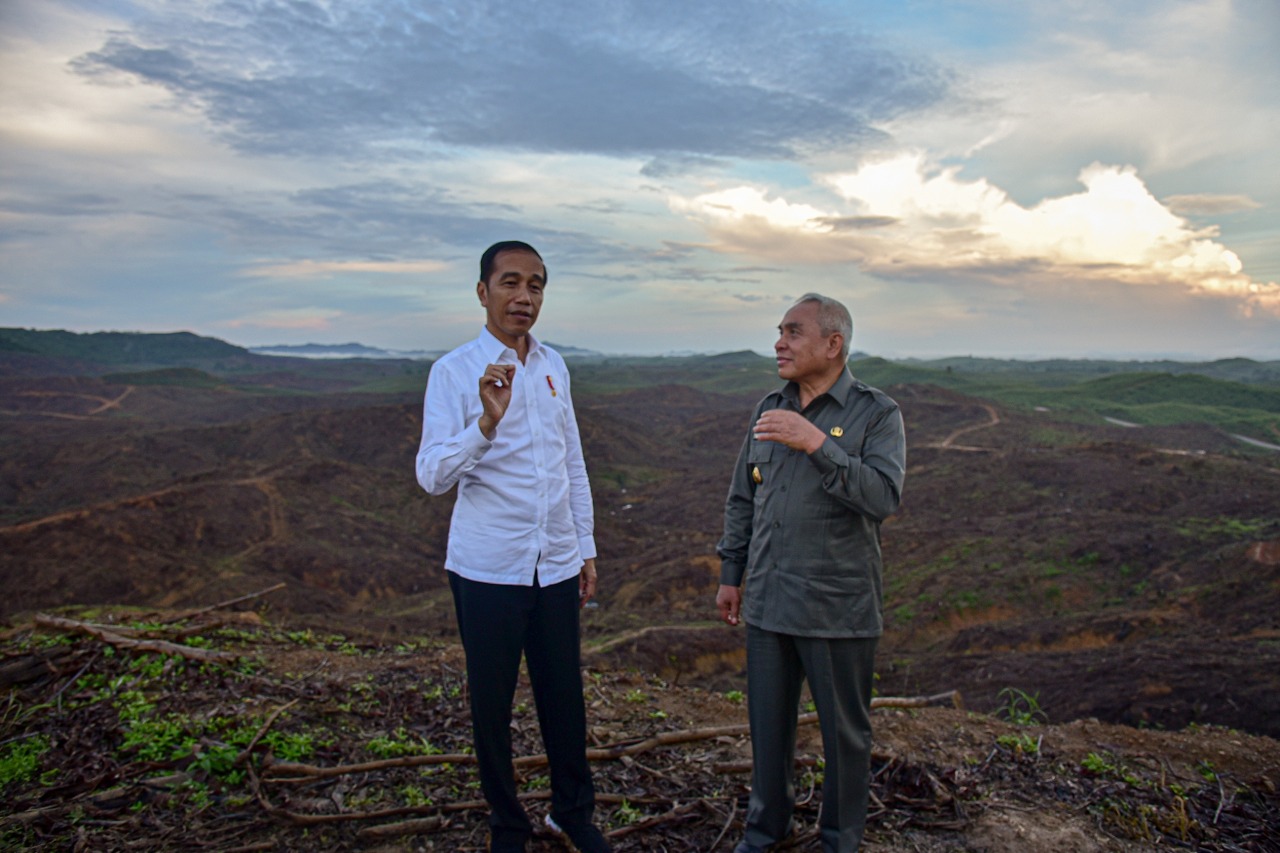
(789,428)
(587,581)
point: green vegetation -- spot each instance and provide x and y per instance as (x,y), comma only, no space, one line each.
(1021,743)
(728,373)
(1208,529)
(20,760)
(626,814)
(1106,764)
(401,742)
(1239,396)
(118,347)
(1020,707)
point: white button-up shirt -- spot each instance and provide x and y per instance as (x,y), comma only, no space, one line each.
(524,503)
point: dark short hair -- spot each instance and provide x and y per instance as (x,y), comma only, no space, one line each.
(491,253)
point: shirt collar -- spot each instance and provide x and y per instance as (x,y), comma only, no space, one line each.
(493,348)
(840,392)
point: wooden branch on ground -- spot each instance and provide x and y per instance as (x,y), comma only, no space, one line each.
(189,614)
(677,813)
(287,771)
(434,813)
(730,767)
(114,638)
(262,731)
(951,697)
(284,772)
(404,827)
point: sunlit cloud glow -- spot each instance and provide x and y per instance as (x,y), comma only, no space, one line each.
(328,269)
(917,223)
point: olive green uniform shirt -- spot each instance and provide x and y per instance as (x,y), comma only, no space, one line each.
(802,531)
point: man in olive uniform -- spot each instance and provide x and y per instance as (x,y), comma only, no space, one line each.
(823,464)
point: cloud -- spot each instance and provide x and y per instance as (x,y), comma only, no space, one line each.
(937,224)
(1209,204)
(390,79)
(293,319)
(324,269)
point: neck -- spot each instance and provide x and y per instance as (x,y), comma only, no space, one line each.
(811,389)
(519,344)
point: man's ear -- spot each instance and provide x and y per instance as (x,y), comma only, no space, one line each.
(835,343)
(482,291)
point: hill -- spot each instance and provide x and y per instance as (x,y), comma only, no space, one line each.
(1128,574)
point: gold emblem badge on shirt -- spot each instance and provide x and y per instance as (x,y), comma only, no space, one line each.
(837,431)
(755,475)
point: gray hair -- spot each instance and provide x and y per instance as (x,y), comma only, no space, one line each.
(833,319)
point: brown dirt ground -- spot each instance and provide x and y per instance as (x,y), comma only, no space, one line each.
(946,779)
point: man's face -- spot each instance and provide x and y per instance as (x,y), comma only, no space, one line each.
(512,297)
(803,352)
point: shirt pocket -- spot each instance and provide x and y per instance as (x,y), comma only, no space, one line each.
(760,451)
(759,467)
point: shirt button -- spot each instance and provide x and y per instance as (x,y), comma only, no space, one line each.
(777,524)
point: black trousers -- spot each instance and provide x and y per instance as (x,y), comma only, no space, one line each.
(840,673)
(498,624)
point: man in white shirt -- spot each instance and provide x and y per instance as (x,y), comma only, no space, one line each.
(498,422)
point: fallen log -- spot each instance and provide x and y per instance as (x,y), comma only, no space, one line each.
(284,772)
(404,827)
(113,638)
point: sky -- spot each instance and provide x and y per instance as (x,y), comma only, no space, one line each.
(1003,178)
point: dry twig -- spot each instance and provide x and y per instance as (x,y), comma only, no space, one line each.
(189,614)
(114,638)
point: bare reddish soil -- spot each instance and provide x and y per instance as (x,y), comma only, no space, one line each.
(362,746)
(1130,576)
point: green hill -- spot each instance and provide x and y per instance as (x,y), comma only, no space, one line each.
(117,347)
(1144,389)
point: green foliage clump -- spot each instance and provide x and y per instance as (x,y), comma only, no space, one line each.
(1021,708)
(1205,529)
(20,760)
(399,743)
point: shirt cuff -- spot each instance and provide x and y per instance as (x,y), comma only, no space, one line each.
(731,573)
(830,457)
(474,440)
(587,547)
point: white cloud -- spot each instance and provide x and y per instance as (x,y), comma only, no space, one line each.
(922,223)
(324,269)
